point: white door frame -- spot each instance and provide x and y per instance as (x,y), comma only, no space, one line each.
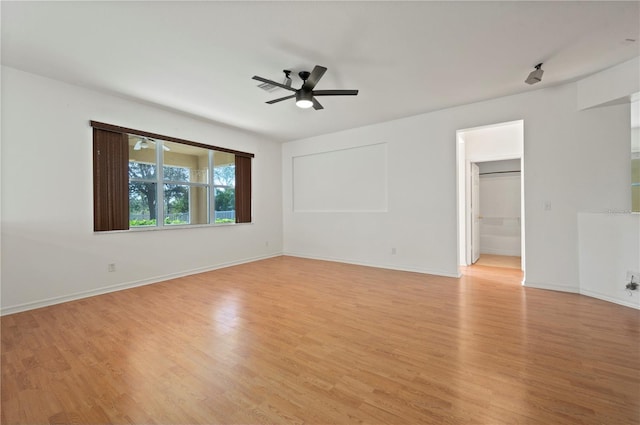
(474,213)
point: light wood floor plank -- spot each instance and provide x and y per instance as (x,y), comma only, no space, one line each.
(492,260)
(297,341)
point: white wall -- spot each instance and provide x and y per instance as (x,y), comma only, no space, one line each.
(49,250)
(419,178)
(609,247)
(499,166)
(611,85)
(494,142)
(500,224)
(359,173)
(576,161)
(500,207)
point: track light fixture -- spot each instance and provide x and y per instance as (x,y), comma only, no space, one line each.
(536,75)
(287,78)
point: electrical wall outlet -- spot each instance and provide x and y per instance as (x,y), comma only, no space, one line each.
(633,280)
(111,267)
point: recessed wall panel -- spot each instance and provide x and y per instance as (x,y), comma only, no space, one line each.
(346,180)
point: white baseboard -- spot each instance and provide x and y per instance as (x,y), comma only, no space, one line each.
(443,273)
(610,299)
(122,286)
(506,252)
(580,291)
(128,285)
(560,288)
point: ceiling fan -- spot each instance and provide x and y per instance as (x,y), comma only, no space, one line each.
(144,142)
(306,95)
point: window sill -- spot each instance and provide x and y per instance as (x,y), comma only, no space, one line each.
(170,227)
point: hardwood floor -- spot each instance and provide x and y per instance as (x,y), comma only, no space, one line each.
(491,260)
(290,340)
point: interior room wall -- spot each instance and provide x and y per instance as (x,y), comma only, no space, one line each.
(574,161)
(609,240)
(609,248)
(489,143)
(353,179)
(49,250)
(417,213)
(610,85)
(500,223)
(506,165)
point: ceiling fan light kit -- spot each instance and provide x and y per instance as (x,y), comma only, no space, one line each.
(303,99)
(146,142)
(305,95)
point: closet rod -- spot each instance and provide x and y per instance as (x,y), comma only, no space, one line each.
(500,172)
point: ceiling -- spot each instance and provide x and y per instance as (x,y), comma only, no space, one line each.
(406,58)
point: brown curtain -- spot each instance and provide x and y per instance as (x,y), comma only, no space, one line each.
(110,181)
(243,189)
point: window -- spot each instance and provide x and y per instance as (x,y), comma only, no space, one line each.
(184,191)
(147,180)
(224,185)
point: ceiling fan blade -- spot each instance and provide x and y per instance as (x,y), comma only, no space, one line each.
(316,104)
(264,80)
(335,92)
(315,76)
(164,147)
(138,145)
(281,99)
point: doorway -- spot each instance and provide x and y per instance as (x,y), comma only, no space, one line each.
(491,195)
(497,233)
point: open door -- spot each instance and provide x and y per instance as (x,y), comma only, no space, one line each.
(475,212)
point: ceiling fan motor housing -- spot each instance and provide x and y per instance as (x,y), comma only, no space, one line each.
(303,94)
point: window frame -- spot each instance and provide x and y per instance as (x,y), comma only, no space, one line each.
(191,185)
(108,191)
